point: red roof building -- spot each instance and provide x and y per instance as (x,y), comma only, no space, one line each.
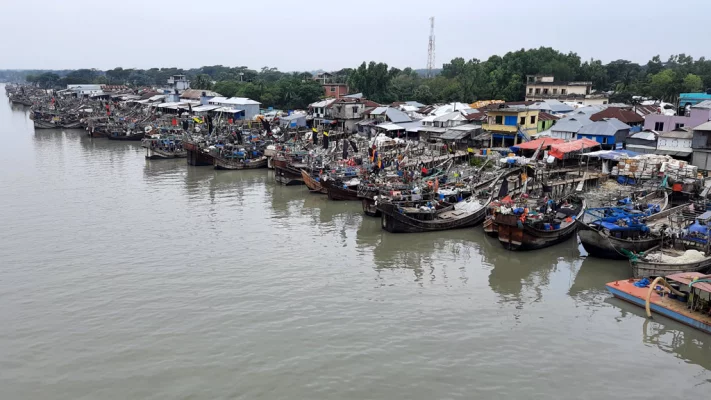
(628,117)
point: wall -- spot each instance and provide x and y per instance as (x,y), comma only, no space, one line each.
(562,135)
(544,125)
(673,144)
(335,90)
(556,90)
(701,159)
(505,126)
(347,110)
(697,116)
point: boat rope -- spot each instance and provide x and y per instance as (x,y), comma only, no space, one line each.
(662,281)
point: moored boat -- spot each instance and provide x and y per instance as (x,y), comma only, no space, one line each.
(197,156)
(682,296)
(661,261)
(237,164)
(312,183)
(287,173)
(41,124)
(606,232)
(337,189)
(519,230)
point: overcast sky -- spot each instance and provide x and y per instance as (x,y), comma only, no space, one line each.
(315,34)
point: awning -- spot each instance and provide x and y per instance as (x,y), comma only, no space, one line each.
(615,155)
(533,144)
(206,107)
(454,135)
(560,150)
(228,110)
(366,122)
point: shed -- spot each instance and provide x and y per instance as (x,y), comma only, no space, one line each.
(607,132)
(293,121)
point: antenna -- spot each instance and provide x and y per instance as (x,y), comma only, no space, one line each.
(431,50)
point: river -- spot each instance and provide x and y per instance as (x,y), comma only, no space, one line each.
(123,278)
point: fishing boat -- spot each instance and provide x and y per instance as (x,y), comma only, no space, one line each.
(72,125)
(42,124)
(521,230)
(682,296)
(604,232)
(235,164)
(339,189)
(163,148)
(287,172)
(467,213)
(197,156)
(662,260)
(123,135)
(313,183)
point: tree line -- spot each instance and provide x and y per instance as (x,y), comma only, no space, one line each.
(498,77)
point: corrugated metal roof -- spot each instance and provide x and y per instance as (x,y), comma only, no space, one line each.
(606,127)
(706,126)
(241,101)
(703,104)
(644,135)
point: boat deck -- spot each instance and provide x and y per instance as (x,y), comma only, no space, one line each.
(671,308)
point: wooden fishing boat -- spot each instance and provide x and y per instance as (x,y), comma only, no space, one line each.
(517,235)
(681,296)
(196,156)
(602,244)
(490,227)
(41,124)
(72,125)
(129,137)
(161,154)
(313,184)
(286,173)
(465,214)
(228,164)
(653,262)
(336,191)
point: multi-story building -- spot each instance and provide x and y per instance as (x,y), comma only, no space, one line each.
(510,125)
(545,87)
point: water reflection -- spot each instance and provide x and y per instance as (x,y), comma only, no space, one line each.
(689,345)
(589,283)
(520,277)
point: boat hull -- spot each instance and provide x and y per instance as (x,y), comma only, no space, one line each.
(338,193)
(45,125)
(520,237)
(313,185)
(370,209)
(154,154)
(626,291)
(129,138)
(644,269)
(490,227)
(596,244)
(396,222)
(238,165)
(196,157)
(286,175)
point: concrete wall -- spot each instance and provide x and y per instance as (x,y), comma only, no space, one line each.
(697,116)
(335,90)
(673,144)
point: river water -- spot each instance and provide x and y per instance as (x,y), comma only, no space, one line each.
(123,278)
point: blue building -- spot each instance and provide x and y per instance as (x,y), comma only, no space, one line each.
(610,133)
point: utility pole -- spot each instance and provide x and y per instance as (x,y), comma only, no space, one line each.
(431,50)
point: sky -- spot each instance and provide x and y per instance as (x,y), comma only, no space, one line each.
(309,35)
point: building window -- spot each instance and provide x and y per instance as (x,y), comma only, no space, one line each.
(563,91)
(555,91)
(659,126)
(678,125)
(355,109)
(533,119)
(538,91)
(604,140)
(333,89)
(499,120)
(530,90)
(510,120)
(545,91)
(522,121)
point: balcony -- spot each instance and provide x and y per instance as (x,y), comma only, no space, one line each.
(500,128)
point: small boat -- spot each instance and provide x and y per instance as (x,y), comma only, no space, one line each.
(338,189)
(313,183)
(235,164)
(662,261)
(681,296)
(41,124)
(490,227)
(604,232)
(72,125)
(522,231)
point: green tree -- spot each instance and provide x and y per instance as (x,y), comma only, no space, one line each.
(664,85)
(692,84)
(202,81)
